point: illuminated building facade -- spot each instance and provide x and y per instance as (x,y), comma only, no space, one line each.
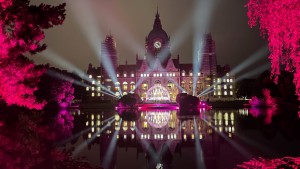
(158,71)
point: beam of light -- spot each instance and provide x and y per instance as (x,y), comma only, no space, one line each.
(202,17)
(111,148)
(202,94)
(176,84)
(148,147)
(86,20)
(234,144)
(65,77)
(257,145)
(63,142)
(198,149)
(86,143)
(55,58)
(261,53)
(254,72)
(89,25)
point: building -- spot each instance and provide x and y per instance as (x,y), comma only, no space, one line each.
(158,76)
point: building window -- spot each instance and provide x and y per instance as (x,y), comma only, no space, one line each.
(90,76)
(231,93)
(183,73)
(227,74)
(93,94)
(108,87)
(225,86)
(124,93)
(224,80)
(198,73)
(160,75)
(98,94)
(225,93)
(219,93)
(98,88)
(219,80)
(117,94)
(230,80)
(125,85)
(191,73)
(132,75)
(219,87)
(93,82)
(132,86)
(125,75)
(147,75)
(230,87)
(93,88)
(145,86)
(98,81)
(174,74)
(117,74)
(154,75)
(87,88)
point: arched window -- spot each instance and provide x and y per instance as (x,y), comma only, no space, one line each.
(125,85)
(157,82)
(132,86)
(145,85)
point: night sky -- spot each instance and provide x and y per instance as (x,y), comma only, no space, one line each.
(87,23)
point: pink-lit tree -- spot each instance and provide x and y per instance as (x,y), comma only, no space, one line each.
(280,22)
(21,32)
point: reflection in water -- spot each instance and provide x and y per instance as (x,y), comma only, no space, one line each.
(168,139)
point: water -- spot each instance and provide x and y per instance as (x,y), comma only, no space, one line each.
(160,138)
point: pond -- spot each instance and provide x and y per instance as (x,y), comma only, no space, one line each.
(161,138)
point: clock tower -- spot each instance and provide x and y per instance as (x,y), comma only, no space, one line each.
(157,44)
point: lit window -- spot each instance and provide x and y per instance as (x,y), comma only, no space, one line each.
(87,88)
(154,75)
(191,74)
(117,74)
(160,75)
(98,88)
(227,80)
(231,93)
(227,74)
(219,87)
(132,85)
(230,80)
(173,74)
(219,93)
(225,86)
(125,85)
(90,76)
(224,80)
(98,94)
(142,75)
(132,75)
(93,94)
(125,74)
(183,73)
(225,93)
(198,73)
(230,87)
(93,88)
(93,82)
(219,80)
(98,81)
(214,93)
(147,75)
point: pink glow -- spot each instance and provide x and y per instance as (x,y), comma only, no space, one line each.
(285,162)
(21,35)
(280,22)
(158,106)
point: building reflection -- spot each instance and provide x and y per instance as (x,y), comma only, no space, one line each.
(158,133)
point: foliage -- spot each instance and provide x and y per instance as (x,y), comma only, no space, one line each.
(285,162)
(280,22)
(21,32)
(56,87)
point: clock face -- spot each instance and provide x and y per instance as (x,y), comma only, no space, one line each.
(157,44)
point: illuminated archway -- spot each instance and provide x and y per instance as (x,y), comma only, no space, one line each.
(157,93)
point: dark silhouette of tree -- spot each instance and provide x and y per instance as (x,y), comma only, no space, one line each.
(245,88)
(21,33)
